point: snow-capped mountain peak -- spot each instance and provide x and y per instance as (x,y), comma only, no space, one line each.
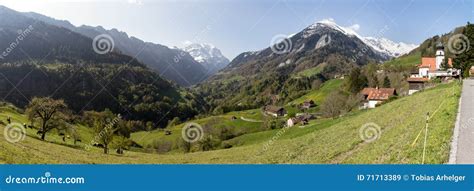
(346,30)
(382,45)
(208,55)
(387,46)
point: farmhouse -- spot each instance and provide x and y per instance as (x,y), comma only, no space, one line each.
(274,111)
(307,104)
(416,84)
(471,71)
(375,96)
(303,119)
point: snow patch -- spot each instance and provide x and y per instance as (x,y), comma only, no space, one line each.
(206,54)
(382,45)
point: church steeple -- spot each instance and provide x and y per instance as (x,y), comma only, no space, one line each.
(439,46)
(439,55)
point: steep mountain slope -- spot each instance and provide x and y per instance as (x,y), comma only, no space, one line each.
(173,64)
(253,77)
(208,55)
(382,46)
(53,61)
(23,38)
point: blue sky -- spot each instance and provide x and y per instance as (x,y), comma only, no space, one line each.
(237,26)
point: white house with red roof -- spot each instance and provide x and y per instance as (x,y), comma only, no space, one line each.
(376,96)
(431,67)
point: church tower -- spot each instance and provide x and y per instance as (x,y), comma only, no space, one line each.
(439,55)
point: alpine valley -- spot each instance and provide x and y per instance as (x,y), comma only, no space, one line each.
(57,62)
(300,62)
(174,64)
(323,95)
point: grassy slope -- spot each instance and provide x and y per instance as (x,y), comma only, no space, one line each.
(86,134)
(319,95)
(145,138)
(400,121)
(311,71)
(407,60)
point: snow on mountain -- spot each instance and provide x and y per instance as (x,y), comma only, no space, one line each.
(350,31)
(381,45)
(387,46)
(208,55)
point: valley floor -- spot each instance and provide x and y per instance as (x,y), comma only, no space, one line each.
(399,128)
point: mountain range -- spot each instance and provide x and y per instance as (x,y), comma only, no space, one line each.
(323,49)
(383,46)
(173,64)
(46,60)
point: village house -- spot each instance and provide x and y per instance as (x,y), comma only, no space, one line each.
(274,111)
(430,68)
(471,71)
(302,119)
(416,84)
(376,96)
(307,104)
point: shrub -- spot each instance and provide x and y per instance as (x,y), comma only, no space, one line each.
(208,143)
(334,104)
(162,146)
(183,145)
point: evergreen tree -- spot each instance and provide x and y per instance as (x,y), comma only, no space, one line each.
(465,59)
(371,74)
(356,81)
(386,82)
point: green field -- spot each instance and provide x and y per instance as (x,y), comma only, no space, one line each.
(312,71)
(322,141)
(405,61)
(319,95)
(215,122)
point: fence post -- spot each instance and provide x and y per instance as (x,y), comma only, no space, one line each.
(426,136)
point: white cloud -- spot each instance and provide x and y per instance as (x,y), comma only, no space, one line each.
(354,27)
(136,2)
(187,42)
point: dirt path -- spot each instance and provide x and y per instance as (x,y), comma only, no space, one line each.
(462,149)
(251,120)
